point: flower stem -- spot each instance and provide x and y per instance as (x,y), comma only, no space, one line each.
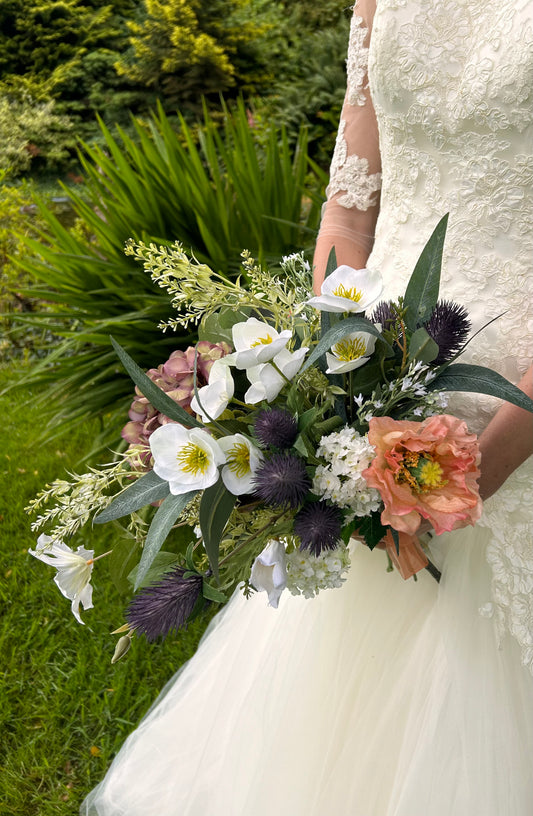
(433,571)
(251,538)
(98,557)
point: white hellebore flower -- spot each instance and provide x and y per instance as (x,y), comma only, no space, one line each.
(351,352)
(267,381)
(242,461)
(256,342)
(214,397)
(188,459)
(348,290)
(269,571)
(73,571)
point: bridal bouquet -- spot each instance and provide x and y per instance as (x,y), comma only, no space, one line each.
(295,423)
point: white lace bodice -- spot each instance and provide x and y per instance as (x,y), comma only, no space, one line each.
(451,83)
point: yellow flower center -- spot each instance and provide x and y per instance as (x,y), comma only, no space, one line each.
(348,350)
(421,472)
(193,459)
(430,475)
(350,294)
(239,459)
(262,341)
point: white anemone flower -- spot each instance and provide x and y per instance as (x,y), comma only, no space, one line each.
(256,342)
(214,397)
(242,461)
(188,459)
(351,352)
(269,571)
(73,571)
(348,290)
(267,380)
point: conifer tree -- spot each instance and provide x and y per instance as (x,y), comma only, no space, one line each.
(184,49)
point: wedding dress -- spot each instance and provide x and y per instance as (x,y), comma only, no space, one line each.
(389,697)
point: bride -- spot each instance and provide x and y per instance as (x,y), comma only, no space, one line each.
(391,697)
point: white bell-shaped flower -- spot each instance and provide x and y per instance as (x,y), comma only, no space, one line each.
(214,397)
(348,290)
(269,571)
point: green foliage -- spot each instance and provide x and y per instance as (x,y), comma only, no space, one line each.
(217,194)
(32,131)
(64,709)
(310,81)
(57,65)
(186,49)
(91,56)
(19,220)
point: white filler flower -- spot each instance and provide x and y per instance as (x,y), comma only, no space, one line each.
(352,351)
(269,571)
(340,481)
(348,290)
(256,342)
(73,571)
(242,461)
(188,459)
(308,574)
(214,397)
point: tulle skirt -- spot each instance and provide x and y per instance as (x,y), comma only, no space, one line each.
(382,698)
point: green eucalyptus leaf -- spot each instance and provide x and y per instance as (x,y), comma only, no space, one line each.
(149,488)
(160,527)
(213,594)
(189,558)
(300,446)
(332,264)
(337,332)
(123,558)
(480,380)
(422,347)
(308,418)
(157,397)
(162,562)
(215,509)
(422,290)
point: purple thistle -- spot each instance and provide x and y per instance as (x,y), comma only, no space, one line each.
(276,428)
(157,610)
(282,480)
(448,326)
(385,314)
(318,526)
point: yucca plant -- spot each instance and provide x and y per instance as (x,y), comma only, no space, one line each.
(218,189)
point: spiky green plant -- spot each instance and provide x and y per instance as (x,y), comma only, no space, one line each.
(218,189)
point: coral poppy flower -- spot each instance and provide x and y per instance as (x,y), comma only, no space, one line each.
(425,470)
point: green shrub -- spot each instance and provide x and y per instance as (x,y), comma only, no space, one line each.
(217,191)
(19,220)
(31,132)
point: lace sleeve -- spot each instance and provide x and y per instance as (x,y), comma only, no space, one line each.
(351,210)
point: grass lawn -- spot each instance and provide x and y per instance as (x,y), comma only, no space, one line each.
(64,709)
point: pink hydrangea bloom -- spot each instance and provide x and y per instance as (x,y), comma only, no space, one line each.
(425,470)
(176,378)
